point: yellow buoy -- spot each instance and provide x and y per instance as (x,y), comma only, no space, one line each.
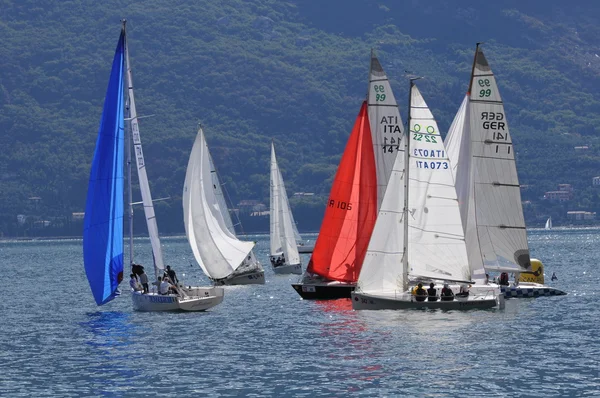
(536,275)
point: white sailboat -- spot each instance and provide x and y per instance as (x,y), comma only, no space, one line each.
(284,255)
(104,213)
(418,235)
(483,164)
(224,258)
(548,224)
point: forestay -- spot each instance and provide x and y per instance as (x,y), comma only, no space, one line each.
(497,197)
(386,125)
(215,249)
(142,175)
(103,221)
(282,237)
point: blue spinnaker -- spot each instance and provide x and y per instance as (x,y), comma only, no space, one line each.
(103,223)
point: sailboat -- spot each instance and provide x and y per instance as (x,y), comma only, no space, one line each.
(284,255)
(103,222)
(548,224)
(224,258)
(418,235)
(483,164)
(356,194)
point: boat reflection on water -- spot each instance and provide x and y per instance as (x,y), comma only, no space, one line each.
(110,338)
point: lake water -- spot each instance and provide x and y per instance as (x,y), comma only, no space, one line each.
(266,341)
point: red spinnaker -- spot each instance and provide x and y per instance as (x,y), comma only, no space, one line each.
(351,209)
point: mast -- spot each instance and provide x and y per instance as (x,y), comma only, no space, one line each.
(128,138)
(406,182)
(141,170)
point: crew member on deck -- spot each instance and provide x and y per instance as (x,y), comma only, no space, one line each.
(432,292)
(420,293)
(447,293)
(134,284)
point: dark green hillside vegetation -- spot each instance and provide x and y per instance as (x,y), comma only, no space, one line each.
(293,71)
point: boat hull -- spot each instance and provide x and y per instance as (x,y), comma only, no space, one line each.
(324,291)
(362,301)
(305,249)
(288,269)
(522,290)
(153,302)
(247,278)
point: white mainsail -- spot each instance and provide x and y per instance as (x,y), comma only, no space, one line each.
(548,223)
(435,246)
(215,249)
(496,192)
(282,237)
(142,176)
(386,125)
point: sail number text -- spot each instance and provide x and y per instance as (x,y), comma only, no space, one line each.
(338,204)
(379,92)
(484,92)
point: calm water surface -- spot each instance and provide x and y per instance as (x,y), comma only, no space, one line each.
(266,341)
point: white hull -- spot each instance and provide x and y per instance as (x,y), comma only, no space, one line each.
(362,301)
(171,302)
(305,248)
(288,269)
(248,278)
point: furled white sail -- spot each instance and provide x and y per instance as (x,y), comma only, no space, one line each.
(458,148)
(282,238)
(435,243)
(497,197)
(215,249)
(386,125)
(142,176)
(548,223)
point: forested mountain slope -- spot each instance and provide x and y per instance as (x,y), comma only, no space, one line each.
(294,71)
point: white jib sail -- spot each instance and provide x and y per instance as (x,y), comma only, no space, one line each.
(225,219)
(386,125)
(142,176)
(497,197)
(458,148)
(216,251)
(282,235)
(436,243)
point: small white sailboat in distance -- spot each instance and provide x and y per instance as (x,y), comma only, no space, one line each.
(283,255)
(548,223)
(224,258)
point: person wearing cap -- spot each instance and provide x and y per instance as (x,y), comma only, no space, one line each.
(447,294)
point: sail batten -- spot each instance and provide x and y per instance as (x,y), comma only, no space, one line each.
(103,221)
